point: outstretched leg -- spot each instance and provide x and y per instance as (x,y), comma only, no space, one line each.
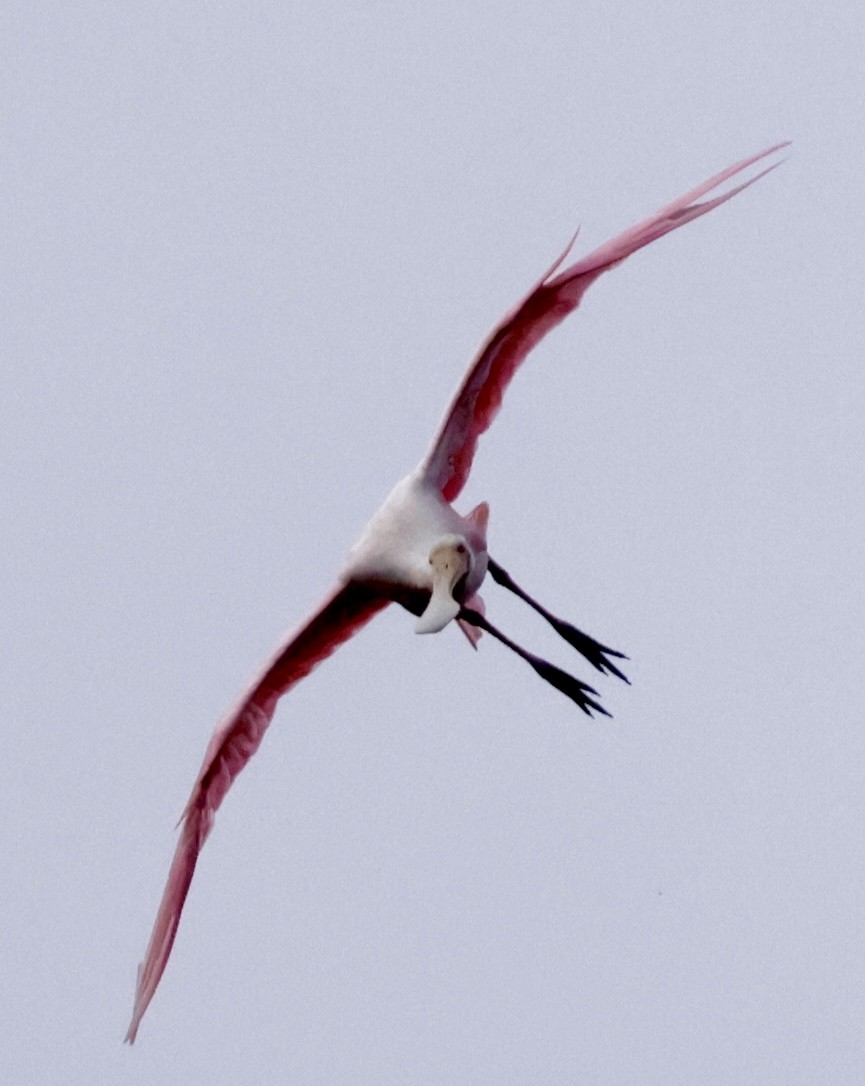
(578,692)
(596,653)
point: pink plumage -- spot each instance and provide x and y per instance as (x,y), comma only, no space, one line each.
(233,743)
(479,396)
(417,551)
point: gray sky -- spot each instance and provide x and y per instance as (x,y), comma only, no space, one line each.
(248,252)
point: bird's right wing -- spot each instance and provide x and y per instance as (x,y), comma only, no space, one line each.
(233,743)
(479,396)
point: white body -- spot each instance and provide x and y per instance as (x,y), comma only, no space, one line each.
(396,544)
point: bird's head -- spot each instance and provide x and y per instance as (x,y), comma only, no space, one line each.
(450,561)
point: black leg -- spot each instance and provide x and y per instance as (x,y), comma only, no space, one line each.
(596,653)
(577,691)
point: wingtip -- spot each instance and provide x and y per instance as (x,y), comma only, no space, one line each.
(137,1009)
(132,1031)
(775,147)
(726,174)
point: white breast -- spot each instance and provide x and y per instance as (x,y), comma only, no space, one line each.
(395,546)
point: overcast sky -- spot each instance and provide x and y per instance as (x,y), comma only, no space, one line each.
(248,250)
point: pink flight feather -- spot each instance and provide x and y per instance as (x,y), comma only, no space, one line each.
(479,396)
(233,743)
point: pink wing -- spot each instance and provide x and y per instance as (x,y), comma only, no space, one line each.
(479,397)
(233,743)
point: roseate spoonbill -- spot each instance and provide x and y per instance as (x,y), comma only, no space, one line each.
(418,551)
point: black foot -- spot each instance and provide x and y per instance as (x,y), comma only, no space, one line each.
(596,653)
(579,692)
(572,688)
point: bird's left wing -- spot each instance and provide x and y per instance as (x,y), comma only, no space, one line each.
(233,743)
(479,396)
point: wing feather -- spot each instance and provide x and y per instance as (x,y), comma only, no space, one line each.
(479,396)
(233,743)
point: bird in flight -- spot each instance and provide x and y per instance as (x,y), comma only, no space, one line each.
(418,551)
